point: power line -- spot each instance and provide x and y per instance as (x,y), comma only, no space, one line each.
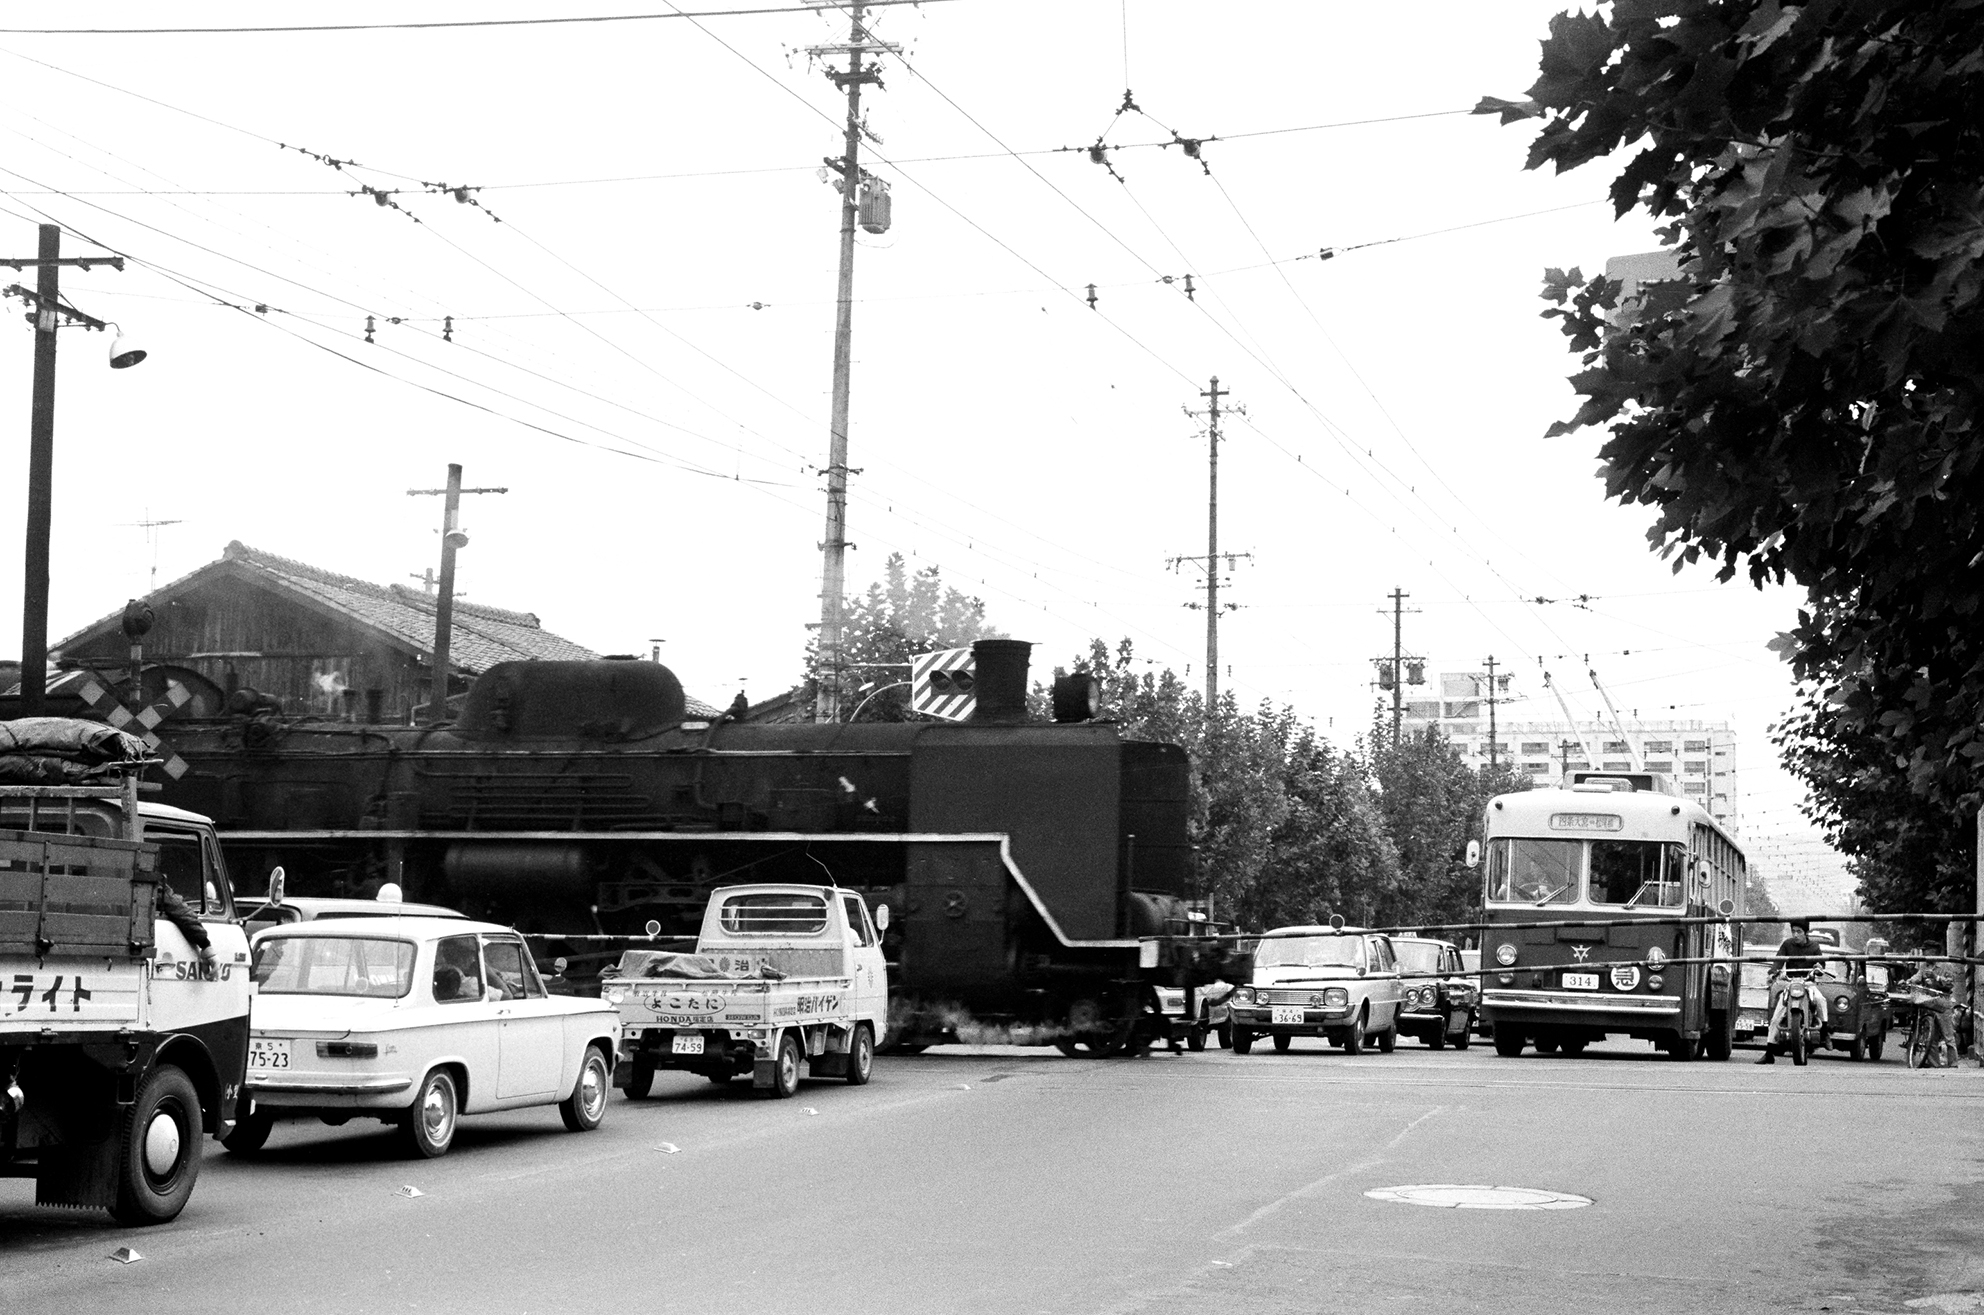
(430,26)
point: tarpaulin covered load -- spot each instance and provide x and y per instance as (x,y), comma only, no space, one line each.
(63,750)
(692,967)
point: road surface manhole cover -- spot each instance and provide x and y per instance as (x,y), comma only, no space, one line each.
(1458,1197)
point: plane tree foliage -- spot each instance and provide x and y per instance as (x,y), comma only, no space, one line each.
(1292,828)
(902,614)
(1801,403)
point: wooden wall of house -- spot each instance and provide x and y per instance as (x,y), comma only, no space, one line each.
(314,662)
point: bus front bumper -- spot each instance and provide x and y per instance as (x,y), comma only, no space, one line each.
(1580,1008)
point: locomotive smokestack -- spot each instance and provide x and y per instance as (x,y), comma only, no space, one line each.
(1001,674)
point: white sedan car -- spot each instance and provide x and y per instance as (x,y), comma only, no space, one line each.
(415,1021)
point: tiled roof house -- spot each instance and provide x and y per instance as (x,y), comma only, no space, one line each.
(316,641)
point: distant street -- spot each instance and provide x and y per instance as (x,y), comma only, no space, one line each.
(1008,1180)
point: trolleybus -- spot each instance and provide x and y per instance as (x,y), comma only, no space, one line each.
(1618,852)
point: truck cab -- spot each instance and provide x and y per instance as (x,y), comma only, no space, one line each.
(120,1050)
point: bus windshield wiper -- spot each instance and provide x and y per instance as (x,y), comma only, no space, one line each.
(1552,894)
(1636,895)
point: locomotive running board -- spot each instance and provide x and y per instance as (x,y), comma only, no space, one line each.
(759,837)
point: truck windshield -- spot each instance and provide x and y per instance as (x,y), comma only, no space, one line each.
(770,913)
(1643,874)
(1534,871)
(334,965)
(1310,952)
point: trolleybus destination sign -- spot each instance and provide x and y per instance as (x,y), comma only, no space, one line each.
(1587,822)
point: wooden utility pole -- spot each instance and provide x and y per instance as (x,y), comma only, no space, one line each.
(1211,560)
(833,569)
(452,539)
(1404,668)
(1493,756)
(47,312)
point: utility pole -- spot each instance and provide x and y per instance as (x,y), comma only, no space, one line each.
(833,570)
(452,539)
(1402,668)
(46,312)
(1564,748)
(1493,759)
(1210,562)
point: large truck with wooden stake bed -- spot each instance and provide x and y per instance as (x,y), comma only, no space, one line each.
(122,1044)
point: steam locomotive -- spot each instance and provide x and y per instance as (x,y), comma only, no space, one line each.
(1039,875)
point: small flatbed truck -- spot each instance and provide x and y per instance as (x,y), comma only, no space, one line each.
(119,1049)
(782,975)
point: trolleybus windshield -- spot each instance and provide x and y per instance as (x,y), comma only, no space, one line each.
(1310,952)
(1535,871)
(1642,874)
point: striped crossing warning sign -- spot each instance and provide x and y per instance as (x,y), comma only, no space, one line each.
(122,718)
(943,684)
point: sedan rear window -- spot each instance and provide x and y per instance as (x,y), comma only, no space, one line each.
(334,965)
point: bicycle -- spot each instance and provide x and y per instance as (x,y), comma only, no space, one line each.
(1931,1039)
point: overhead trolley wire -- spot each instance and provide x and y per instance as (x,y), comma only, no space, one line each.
(435,24)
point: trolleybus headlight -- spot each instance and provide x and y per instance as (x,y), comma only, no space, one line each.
(1656,957)
(1505,954)
(1653,981)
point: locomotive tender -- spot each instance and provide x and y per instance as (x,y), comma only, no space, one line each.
(1038,875)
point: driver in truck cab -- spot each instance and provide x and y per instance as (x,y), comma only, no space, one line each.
(172,906)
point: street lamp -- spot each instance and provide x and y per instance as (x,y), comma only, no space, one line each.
(47,313)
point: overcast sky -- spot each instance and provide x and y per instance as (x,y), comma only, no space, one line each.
(642,346)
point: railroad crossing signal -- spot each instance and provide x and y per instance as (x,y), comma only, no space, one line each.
(121,718)
(943,684)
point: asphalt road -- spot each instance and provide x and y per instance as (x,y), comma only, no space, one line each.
(1007,1180)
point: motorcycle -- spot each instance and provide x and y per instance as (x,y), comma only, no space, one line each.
(1798,1027)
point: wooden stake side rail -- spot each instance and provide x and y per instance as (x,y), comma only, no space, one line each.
(76,896)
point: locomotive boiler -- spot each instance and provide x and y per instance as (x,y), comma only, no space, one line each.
(1039,876)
